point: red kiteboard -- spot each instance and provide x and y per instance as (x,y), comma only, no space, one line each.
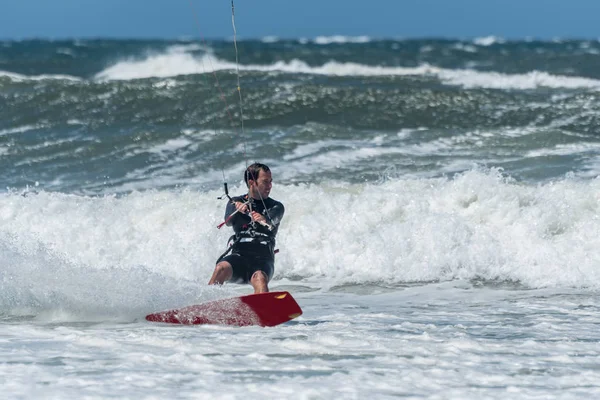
(263,309)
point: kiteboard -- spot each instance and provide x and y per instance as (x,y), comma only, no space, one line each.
(262,309)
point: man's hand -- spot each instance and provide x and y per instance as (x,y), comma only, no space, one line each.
(257,217)
(241,207)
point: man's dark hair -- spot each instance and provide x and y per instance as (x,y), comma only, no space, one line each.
(253,170)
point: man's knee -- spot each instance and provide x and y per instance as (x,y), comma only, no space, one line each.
(223,272)
(223,267)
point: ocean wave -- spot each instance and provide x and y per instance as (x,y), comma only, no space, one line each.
(340,39)
(477,225)
(22,77)
(20,129)
(488,40)
(532,80)
(178,61)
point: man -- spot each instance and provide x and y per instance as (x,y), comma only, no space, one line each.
(255,219)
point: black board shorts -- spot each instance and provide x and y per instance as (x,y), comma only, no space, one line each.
(245,266)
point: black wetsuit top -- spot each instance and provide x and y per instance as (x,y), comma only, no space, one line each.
(253,244)
(254,239)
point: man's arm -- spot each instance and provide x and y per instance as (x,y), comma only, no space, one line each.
(230,209)
(235,206)
(275,214)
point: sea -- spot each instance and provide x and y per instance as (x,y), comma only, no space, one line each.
(441,228)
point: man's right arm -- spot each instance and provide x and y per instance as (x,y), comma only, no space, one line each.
(230,209)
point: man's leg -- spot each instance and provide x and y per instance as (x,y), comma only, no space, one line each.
(223,272)
(259,282)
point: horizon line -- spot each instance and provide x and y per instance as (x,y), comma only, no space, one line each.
(357,38)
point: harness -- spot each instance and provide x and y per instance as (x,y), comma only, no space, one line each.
(250,236)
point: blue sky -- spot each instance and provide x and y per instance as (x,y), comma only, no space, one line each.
(300,18)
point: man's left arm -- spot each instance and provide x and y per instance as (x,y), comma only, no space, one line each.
(275,214)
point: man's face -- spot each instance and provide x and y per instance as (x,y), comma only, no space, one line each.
(262,185)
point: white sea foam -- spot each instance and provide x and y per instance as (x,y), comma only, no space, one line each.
(178,62)
(474,225)
(488,40)
(477,225)
(20,129)
(171,146)
(450,341)
(339,39)
(21,77)
(465,47)
(79,274)
(531,80)
(270,39)
(175,62)
(66,51)
(590,168)
(566,149)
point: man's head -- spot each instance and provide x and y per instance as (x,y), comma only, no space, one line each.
(259,181)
